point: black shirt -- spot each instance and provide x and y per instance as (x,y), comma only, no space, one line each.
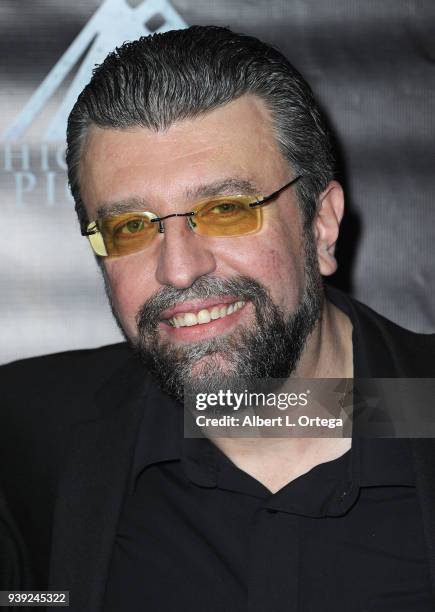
(199,534)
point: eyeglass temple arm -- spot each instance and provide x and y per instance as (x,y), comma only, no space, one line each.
(91,229)
(275,193)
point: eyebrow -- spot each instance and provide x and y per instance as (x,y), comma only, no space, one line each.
(227,186)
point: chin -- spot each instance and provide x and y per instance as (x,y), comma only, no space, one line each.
(216,362)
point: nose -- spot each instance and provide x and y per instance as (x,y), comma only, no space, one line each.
(183,256)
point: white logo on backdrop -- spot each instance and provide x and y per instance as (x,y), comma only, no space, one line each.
(34,170)
(112,24)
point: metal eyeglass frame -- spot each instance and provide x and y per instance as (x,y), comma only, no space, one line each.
(159,220)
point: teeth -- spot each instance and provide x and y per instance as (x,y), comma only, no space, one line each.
(215,312)
(203,316)
(188,319)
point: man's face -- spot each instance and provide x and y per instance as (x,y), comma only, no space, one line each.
(264,274)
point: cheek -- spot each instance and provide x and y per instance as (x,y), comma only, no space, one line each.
(130,288)
(275,260)
(282,237)
(283,274)
(287,259)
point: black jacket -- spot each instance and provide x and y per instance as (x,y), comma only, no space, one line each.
(68,425)
(15,572)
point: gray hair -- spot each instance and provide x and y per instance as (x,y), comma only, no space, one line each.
(156,80)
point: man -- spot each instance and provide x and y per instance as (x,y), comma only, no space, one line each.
(203,175)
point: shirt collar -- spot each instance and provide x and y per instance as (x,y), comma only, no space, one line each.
(328,489)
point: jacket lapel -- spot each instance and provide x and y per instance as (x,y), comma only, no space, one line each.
(92,488)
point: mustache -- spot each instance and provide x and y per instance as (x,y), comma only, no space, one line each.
(148,315)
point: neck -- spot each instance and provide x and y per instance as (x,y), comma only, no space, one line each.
(275,462)
(328,352)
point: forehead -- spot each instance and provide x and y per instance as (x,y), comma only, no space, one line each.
(234,141)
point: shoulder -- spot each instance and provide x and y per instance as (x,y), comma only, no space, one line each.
(56,390)
(63,370)
(410,354)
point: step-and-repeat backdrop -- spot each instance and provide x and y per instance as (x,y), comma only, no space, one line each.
(371,64)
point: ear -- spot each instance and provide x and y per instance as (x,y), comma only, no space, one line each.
(326,226)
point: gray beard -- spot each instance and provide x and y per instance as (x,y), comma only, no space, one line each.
(268,349)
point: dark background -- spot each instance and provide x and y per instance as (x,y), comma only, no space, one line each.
(371,64)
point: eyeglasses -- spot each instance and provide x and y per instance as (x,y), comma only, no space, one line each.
(127,233)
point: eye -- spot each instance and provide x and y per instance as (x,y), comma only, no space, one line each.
(133,226)
(224,207)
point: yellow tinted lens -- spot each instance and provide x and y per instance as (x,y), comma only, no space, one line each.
(226,216)
(128,233)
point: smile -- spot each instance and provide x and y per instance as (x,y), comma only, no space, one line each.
(219,311)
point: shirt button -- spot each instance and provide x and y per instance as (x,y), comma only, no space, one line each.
(343,496)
